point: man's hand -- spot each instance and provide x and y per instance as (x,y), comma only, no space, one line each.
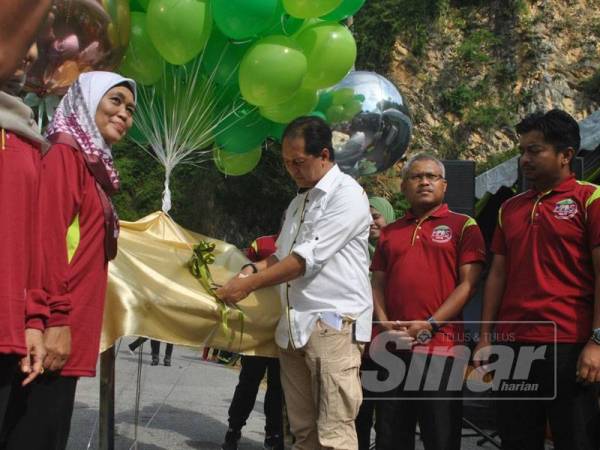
(588,365)
(398,334)
(235,289)
(32,363)
(414,327)
(58,346)
(246,271)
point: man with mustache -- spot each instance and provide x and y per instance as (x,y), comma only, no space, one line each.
(425,269)
(321,265)
(546,269)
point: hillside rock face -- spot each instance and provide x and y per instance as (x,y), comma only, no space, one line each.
(471,69)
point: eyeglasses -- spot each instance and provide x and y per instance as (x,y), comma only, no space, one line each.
(431,177)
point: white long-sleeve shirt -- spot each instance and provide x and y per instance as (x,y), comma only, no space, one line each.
(328,226)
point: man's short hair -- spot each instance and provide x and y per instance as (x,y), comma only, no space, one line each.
(315,132)
(422,157)
(558,127)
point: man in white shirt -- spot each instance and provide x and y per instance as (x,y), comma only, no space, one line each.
(321,264)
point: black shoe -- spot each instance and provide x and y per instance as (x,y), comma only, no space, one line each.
(273,442)
(154,361)
(167,361)
(231,439)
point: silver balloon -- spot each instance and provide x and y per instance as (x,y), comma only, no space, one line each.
(370,120)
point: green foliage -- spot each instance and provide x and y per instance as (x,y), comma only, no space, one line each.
(474,49)
(488,117)
(456,100)
(400,204)
(380,22)
(591,86)
(141,182)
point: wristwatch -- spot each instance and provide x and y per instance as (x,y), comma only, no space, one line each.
(254,269)
(595,337)
(435,327)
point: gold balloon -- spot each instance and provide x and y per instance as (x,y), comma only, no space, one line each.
(79,36)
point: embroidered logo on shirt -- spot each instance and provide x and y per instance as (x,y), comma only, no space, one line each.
(565,209)
(441,234)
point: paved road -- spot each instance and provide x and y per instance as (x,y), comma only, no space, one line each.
(182,407)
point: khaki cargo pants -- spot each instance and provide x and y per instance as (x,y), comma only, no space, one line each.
(322,389)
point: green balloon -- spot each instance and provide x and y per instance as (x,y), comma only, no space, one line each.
(142,62)
(310,8)
(346,9)
(335,114)
(179,29)
(325,101)
(221,58)
(277,130)
(331,52)
(342,96)
(236,164)
(242,130)
(301,103)
(138,5)
(319,114)
(243,19)
(272,71)
(282,23)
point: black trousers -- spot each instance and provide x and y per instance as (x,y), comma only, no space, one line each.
(8,369)
(252,373)
(573,415)
(39,415)
(364,419)
(154,346)
(440,419)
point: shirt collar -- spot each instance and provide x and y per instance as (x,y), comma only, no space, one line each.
(440,211)
(328,181)
(565,186)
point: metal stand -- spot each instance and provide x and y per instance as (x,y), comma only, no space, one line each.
(106,431)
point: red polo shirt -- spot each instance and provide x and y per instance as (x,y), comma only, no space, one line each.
(547,239)
(421,259)
(261,248)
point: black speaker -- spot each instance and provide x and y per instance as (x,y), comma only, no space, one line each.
(460,193)
(576,168)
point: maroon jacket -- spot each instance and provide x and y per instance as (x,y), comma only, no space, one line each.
(76,268)
(22,302)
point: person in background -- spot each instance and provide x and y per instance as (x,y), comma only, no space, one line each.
(251,374)
(154,350)
(80,237)
(22,300)
(382,213)
(543,288)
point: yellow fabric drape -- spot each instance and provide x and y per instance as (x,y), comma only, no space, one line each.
(152,293)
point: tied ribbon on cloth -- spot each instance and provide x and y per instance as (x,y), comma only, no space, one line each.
(202,257)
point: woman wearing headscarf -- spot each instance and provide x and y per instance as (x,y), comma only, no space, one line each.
(80,237)
(382,213)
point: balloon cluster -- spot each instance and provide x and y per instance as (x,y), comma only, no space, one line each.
(270,57)
(258,64)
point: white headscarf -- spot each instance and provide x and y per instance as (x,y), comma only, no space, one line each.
(76,115)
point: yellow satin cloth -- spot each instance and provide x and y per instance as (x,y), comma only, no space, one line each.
(152,293)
